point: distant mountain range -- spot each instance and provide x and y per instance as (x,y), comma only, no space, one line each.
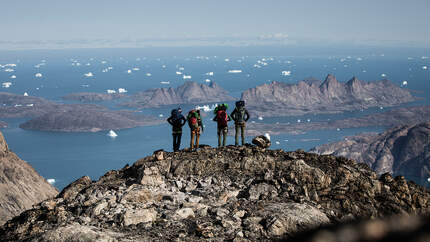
(316,97)
(404,150)
(20,185)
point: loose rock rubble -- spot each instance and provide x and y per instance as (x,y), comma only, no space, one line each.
(232,193)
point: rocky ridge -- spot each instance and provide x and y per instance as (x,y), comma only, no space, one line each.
(93,97)
(330,96)
(404,150)
(20,185)
(232,193)
(188,93)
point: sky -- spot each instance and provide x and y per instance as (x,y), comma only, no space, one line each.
(59,22)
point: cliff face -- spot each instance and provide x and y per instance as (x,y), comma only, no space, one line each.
(403,150)
(281,99)
(229,193)
(188,93)
(20,185)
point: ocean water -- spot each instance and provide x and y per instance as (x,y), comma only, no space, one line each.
(68,156)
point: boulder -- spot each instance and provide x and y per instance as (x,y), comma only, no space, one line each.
(261,141)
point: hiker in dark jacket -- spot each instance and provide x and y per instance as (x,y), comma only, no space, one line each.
(177,120)
(196,125)
(240,115)
(222,119)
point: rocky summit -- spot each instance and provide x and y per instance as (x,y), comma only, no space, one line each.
(244,193)
(20,185)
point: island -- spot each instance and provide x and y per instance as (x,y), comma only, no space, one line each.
(89,97)
(188,93)
(316,97)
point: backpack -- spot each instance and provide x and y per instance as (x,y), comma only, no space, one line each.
(176,118)
(193,119)
(240,115)
(222,118)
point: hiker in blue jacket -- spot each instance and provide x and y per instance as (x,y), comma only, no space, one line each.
(177,120)
(240,115)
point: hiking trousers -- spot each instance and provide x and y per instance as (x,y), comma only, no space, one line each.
(195,133)
(239,127)
(176,141)
(222,134)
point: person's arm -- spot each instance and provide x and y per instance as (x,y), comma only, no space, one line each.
(247,115)
(169,120)
(233,115)
(183,121)
(228,118)
(214,119)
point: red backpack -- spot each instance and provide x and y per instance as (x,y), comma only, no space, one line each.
(192,119)
(222,118)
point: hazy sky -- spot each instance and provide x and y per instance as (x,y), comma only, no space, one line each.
(368,21)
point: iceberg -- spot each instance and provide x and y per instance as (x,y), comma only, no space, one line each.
(38,75)
(267,136)
(226,59)
(122,90)
(25,94)
(148,74)
(207,80)
(50,181)
(110,91)
(178,73)
(277,142)
(384,75)
(186,77)
(211,73)
(128,71)
(404,83)
(425,67)
(89,74)
(12,77)
(165,83)
(112,134)
(260,118)
(10,65)
(206,108)
(88,64)
(286,73)
(181,68)
(135,69)
(6,84)
(30,105)
(235,71)
(9,70)
(104,62)
(161,115)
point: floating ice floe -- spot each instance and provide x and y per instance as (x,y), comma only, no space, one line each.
(288,62)
(38,75)
(206,108)
(425,67)
(257,66)
(83,85)
(110,91)
(383,75)
(277,142)
(163,66)
(359,59)
(30,105)
(128,71)
(10,65)
(410,58)
(104,62)
(25,94)
(18,105)
(260,118)
(122,90)
(424,57)
(428,179)
(89,74)
(404,83)
(211,73)
(112,134)
(226,59)
(381,108)
(186,77)
(286,73)
(364,71)
(105,70)
(12,77)
(267,136)
(160,115)
(50,181)
(338,129)
(148,74)
(178,73)
(6,84)
(110,68)
(88,64)
(207,80)
(299,120)
(136,69)
(9,70)
(235,71)
(308,120)
(165,83)
(181,68)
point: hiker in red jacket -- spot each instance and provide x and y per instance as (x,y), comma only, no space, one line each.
(195,122)
(222,119)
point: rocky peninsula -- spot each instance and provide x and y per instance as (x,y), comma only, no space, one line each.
(232,193)
(51,116)
(188,93)
(387,119)
(89,97)
(403,150)
(316,97)
(20,185)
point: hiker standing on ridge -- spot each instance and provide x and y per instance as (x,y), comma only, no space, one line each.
(222,119)
(196,124)
(177,120)
(240,116)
